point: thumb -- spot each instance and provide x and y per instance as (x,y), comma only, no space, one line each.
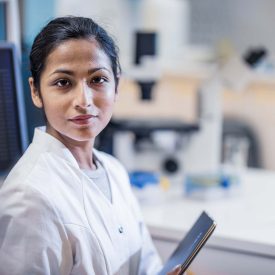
(175,270)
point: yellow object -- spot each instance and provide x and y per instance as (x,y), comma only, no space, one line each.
(164,183)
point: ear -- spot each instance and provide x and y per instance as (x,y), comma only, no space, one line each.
(36,99)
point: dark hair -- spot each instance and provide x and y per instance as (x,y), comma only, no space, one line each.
(62,29)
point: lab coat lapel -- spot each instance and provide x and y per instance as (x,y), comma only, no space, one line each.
(47,143)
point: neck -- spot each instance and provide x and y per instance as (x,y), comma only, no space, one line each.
(83,155)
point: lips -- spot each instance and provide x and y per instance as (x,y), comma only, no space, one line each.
(82,119)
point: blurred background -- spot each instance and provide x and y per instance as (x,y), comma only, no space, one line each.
(172,50)
(196,97)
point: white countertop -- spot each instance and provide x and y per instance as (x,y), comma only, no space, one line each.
(245,222)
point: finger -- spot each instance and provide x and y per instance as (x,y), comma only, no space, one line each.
(175,271)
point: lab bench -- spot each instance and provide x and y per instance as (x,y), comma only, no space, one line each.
(244,240)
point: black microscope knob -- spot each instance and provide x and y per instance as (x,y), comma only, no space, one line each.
(171,165)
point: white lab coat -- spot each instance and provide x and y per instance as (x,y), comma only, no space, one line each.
(54,220)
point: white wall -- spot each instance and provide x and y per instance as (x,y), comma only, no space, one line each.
(244,23)
(122,17)
(113,15)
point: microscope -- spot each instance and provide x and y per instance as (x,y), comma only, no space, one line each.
(152,144)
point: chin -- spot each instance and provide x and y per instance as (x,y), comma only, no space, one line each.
(84,135)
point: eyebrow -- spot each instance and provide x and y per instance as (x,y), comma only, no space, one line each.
(69,72)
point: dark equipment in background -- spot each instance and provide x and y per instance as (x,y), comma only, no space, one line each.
(145,46)
(142,130)
(239,130)
(13,129)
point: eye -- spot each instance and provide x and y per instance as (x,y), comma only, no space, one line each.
(63,83)
(98,80)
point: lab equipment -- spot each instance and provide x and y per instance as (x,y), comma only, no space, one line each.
(155,23)
(13,129)
(146,43)
(146,186)
(145,46)
(205,175)
(212,186)
(140,179)
(149,145)
(205,148)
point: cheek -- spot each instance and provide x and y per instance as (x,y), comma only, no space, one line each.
(55,106)
(51,106)
(106,103)
(109,108)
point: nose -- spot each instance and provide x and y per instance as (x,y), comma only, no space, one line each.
(83,98)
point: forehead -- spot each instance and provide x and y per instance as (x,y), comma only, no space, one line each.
(76,52)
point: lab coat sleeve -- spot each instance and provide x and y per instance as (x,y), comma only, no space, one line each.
(32,238)
(150,263)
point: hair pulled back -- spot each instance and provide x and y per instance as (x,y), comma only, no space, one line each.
(62,29)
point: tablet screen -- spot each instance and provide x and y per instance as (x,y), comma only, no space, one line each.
(191,244)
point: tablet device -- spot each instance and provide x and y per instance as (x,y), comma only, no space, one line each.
(189,247)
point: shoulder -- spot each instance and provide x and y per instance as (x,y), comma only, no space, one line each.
(42,169)
(24,165)
(43,180)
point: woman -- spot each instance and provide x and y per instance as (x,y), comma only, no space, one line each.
(67,208)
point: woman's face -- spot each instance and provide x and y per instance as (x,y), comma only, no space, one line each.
(77,90)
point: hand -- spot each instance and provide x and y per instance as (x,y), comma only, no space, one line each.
(175,271)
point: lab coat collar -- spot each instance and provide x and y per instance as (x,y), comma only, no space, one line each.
(48,143)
